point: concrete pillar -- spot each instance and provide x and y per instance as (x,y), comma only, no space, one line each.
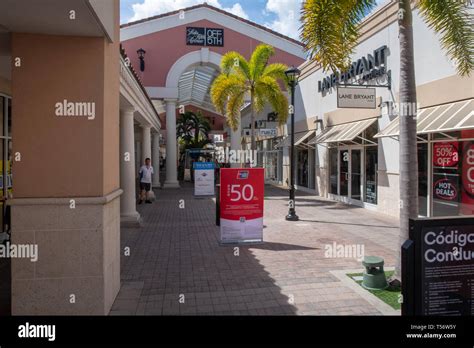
(72,215)
(128,211)
(171,145)
(235,142)
(146,151)
(146,142)
(155,161)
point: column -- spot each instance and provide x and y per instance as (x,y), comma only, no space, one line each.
(74,217)
(156,159)
(171,145)
(128,211)
(146,151)
(236,143)
(146,142)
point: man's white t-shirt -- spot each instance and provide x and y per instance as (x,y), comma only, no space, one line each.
(145,174)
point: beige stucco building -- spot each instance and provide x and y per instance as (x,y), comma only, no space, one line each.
(352,154)
(73,112)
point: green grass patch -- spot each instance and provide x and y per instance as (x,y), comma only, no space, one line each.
(390,295)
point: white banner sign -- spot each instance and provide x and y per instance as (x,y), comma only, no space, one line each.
(356,98)
(203,179)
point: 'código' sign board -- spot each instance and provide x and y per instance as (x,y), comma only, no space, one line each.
(442,271)
(241,205)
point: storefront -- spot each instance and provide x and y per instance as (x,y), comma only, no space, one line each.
(445,158)
(305,164)
(270,157)
(356,147)
(304,158)
(352,161)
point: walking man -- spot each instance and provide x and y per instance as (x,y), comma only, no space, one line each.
(145,173)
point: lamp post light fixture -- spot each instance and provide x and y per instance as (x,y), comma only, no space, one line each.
(292,75)
(141,55)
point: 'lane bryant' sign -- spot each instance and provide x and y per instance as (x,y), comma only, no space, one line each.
(204,36)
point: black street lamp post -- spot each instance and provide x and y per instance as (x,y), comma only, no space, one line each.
(292,75)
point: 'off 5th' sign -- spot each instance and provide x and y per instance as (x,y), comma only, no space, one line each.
(196,36)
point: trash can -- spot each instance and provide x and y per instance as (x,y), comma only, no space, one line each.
(374,274)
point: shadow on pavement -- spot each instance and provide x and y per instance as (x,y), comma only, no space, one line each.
(347,223)
(278,247)
(177,252)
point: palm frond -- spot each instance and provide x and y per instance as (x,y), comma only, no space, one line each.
(233,62)
(276,70)
(268,90)
(330,29)
(451,19)
(259,60)
(223,87)
(234,105)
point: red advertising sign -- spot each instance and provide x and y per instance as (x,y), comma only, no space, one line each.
(445,154)
(468,169)
(241,204)
(467,191)
(445,189)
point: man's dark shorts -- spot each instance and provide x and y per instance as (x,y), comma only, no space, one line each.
(145,186)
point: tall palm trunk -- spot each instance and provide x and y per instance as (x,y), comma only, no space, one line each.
(408,134)
(252,124)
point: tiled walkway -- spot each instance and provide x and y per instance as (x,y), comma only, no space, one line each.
(176,256)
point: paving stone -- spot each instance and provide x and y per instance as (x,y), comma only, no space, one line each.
(177,251)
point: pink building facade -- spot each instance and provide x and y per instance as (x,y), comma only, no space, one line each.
(183,53)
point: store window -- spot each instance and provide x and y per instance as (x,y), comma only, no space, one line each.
(371,168)
(333,170)
(423,179)
(270,158)
(452,170)
(303,167)
(446,174)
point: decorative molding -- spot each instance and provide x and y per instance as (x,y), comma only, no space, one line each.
(66,201)
(135,96)
(206,12)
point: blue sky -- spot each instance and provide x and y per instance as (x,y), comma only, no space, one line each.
(279,15)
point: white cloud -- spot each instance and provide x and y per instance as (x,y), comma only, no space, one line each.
(155,7)
(287,21)
(237,10)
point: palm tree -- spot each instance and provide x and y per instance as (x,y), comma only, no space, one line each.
(192,129)
(330,31)
(201,126)
(185,127)
(255,79)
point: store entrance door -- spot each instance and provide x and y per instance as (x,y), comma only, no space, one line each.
(350,174)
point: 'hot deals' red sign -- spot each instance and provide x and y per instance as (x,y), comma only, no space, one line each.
(445,154)
(241,204)
(445,189)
